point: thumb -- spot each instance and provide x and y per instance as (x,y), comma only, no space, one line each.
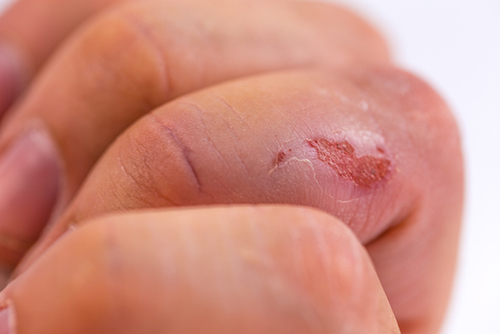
(270,269)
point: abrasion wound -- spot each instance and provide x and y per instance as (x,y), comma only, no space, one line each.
(365,171)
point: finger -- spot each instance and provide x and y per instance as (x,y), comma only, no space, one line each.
(375,147)
(30,30)
(219,270)
(139,56)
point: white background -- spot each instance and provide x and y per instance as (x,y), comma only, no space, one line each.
(455,45)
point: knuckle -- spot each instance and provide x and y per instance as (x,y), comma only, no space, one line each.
(428,136)
(431,127)
(434,129)
(420,104)
(116,47)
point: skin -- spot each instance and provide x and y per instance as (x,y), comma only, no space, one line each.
(215,147)
(321,119)
(148,41)
(221,267)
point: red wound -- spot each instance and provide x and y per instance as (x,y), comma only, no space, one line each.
(365,171)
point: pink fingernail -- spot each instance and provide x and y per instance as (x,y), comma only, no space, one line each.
(29,184)
(5,321)
(9,78)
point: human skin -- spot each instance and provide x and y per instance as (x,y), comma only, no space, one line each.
(208,270)
(317,118)
(140,55)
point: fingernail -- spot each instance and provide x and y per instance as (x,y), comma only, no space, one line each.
(10,83)
(5,321)
(29,184)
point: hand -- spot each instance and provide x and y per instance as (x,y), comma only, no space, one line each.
(125,62)
(368,143)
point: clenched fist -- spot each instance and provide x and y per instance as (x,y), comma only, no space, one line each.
(295,180)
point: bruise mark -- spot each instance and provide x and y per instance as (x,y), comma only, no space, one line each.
(365,171)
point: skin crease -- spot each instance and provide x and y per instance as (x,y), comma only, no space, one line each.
(396,182)
(185,153)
